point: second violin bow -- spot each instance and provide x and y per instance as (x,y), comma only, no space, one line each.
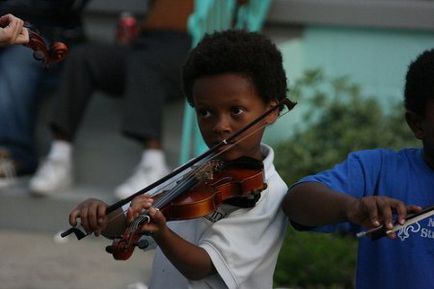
(380,231)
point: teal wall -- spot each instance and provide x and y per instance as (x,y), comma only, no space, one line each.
(377,59)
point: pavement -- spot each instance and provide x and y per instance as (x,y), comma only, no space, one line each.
(36,260)
(34,256)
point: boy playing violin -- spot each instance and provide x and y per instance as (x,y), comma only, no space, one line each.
(230,78)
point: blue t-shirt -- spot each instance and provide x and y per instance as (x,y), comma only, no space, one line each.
(408,261)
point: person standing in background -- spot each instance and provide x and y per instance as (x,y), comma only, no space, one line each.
(21,77)
(146,74)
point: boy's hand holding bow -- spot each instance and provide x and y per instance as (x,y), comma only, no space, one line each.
(375,211)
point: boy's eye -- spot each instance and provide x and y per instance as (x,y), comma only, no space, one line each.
(203,113)
(237,110)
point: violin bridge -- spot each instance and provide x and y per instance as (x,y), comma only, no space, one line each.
(206,171)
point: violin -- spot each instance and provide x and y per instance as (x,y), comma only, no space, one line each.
(237,182)
(201,190)
(54,53)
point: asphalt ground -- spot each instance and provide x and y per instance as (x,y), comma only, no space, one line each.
(34,260)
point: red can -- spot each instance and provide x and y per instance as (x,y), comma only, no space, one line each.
(127,29)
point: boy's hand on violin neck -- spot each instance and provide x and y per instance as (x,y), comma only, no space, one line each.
(142,204)
(137,207)
(92,215)
(375,211)
(158,223)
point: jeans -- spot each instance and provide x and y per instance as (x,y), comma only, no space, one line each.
(20,75)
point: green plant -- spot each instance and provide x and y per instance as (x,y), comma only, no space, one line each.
(339,120)
(316,261)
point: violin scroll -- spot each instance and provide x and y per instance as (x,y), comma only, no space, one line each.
(42,52)
(57,52)
(123,248)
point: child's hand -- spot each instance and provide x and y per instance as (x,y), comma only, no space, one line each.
(374,211)
(157,222)
(138,204)
(92,215)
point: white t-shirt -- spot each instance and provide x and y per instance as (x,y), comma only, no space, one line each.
(243,245)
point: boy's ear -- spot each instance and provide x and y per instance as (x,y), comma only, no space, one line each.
(414,121)
(271,118)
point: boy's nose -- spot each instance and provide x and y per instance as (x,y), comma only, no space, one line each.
(222,127)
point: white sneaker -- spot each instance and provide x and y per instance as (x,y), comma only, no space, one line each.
(8,175)
(138,285)
(143,176)
(52,176)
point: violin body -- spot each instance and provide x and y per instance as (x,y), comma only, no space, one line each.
(240,179)
(205,197)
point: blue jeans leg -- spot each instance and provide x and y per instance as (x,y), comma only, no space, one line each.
(19,78)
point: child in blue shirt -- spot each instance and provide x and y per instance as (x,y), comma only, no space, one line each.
(368,187)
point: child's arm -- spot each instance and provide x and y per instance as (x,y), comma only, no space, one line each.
(314,204)
(93,218)
(191,260)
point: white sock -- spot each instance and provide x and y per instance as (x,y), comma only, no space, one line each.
(61,150)
(153,157)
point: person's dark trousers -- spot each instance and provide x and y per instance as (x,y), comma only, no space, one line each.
(146,75)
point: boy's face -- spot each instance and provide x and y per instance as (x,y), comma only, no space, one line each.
(226,103)
(423,129)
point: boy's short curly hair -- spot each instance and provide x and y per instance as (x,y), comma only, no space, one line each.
(419,85)
(235,51)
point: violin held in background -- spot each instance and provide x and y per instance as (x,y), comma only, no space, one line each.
(54,53)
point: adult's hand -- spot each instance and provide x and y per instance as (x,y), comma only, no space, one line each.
(12,31)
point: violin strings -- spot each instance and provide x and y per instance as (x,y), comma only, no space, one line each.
(165,197)
(186,178)
(118,214)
